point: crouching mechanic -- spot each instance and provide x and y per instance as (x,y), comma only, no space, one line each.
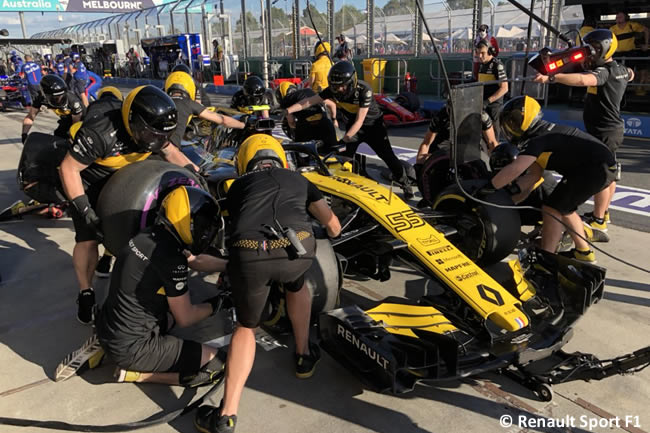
(363,117)
(149,293)
(180,86)
(263,203)
(252,92)
(65,104)
(311,123)
(587,167)
(125,133)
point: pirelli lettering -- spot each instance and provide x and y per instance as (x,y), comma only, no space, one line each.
(440,250)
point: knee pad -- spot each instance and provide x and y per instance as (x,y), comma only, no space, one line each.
(210,373)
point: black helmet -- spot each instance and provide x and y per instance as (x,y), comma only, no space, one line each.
(285,88)
(55,91)
(150,117)
(192,216)
(342,79)
(503,155)
(604,44)
(254,90)
(182,67)
(518,116)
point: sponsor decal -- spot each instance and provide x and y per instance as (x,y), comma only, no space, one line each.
(440,250)
(458,266)
(520,322)
(368,190)
(180,286)
(491,295)
(633,126)
(404,220)
(139,254)
(427,242)
(351,338)
(466,276)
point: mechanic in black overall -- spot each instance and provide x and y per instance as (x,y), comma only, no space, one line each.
(252,92)
(263,203)
(65,103)
(364,119)
(606,82)
(149,293)
(125,133)
(180,86)
(587,167)
(311,123)
(491,69)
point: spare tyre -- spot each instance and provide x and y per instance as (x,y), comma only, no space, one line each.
(408,100)
(129,201)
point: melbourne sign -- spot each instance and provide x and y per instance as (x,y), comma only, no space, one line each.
(78,5)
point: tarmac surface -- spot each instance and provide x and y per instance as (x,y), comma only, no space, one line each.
(38,328)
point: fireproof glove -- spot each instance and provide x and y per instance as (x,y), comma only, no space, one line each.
(82,205)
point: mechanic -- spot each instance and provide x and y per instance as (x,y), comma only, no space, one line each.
(65,103)
(491,69)
(364,119)
(80,74)
(59,67)
(343,52)
(606,82)
(586,164)
(263,203)
(625,31)
(180,86)
(311,123)
(252,92)
(588,25)
(484,35)
(439,131)
(32,74)
(126,132)
(319,68)
(149,294)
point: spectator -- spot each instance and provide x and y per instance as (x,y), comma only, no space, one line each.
(342,51)
(625,30)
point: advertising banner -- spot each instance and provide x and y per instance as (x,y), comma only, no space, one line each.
(117,6)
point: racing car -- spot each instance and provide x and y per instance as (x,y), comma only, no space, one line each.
(13,92)
(470,324)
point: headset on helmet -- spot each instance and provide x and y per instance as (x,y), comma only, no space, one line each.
(182,67)
(518,116)
(604,44)
(490,49)
(150,117)
(110,90)
(192,216)
(254,90)
(503,155)
(55,91)
(342,79)
(322,48)
(181,82)
(285,88)
(257,149)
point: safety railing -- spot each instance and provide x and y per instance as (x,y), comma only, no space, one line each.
(274,69)
(400,73)
(299,68)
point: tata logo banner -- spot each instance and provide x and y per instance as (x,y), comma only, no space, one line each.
(78,5)
(636,126)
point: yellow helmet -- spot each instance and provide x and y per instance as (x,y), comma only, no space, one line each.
(322,47)
(284,89)
(110,90)
(257,148)
(518,116)
(181,82)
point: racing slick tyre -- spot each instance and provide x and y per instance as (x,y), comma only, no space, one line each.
(129,201)
(408,100)
(324,279)
(486,234)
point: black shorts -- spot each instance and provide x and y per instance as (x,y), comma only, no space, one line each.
(613,139)
(252,271)
(572,191)
(79,86)
(34,91)
(83,232)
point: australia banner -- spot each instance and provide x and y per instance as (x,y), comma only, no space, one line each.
(77,5)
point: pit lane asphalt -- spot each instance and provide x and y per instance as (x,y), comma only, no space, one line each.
(38,328)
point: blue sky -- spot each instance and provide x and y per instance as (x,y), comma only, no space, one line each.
(39,22)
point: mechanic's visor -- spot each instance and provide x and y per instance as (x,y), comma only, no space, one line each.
(340,89)
(57,100)
(149,139)
(204,231)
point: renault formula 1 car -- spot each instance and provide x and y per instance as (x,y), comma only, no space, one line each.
(471,324)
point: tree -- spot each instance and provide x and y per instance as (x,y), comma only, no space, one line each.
(346,17)
(320,19)
(398,7)
(461,4)
(251,23)
(281,17)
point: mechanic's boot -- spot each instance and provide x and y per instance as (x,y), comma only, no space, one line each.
(584,256)
(567,241)
(87,307)
(103,269)
(306,364)
(208,420)
(595,228)
(594,235)
(607,218)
